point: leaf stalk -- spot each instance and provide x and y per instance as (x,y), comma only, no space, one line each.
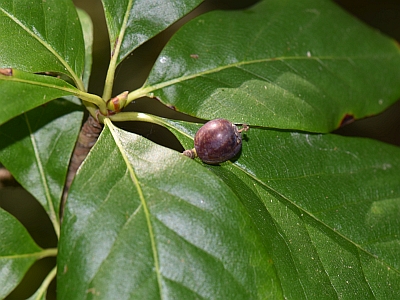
(41,292)
(136,116)
(108,86)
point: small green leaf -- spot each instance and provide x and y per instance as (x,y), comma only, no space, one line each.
(18,252)
(132,22)
(36,148)
(326,208)
(139,224)
(41,36)
(301,65)
(22,92)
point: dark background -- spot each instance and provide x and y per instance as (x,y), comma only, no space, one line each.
(384,15)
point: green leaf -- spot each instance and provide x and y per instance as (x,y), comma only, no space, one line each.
(326,208)
(41,36)
(36,148)
(132,22)
(87,28)
(139,224)
(22,92)
(300,65)
(18,252)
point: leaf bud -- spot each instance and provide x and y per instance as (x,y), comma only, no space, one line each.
(117,103)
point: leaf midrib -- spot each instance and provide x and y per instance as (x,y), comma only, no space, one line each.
(50,205)
(41,253)
(64,86)
(146,89)
(136,182)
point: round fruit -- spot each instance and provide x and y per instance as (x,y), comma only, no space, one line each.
(217,141)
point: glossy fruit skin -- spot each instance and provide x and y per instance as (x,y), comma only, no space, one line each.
(217,141)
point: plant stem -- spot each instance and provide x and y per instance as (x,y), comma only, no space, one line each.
(108,86)
(141,92)
(48,252)
(45,284)
(87,138)
(79,84)
(94,99)
(136,116)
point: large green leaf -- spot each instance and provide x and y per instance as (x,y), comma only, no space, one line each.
(17,252)
(36,148)
(301,65)
(132,22)
(21,92)
(41,36)
(140,224)
(326,208)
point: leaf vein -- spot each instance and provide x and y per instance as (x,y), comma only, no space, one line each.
(142,198)
(42,173)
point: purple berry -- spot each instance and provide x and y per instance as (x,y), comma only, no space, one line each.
(217,141)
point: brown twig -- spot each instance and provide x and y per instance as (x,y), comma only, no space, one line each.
(6,178)
(87,138)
